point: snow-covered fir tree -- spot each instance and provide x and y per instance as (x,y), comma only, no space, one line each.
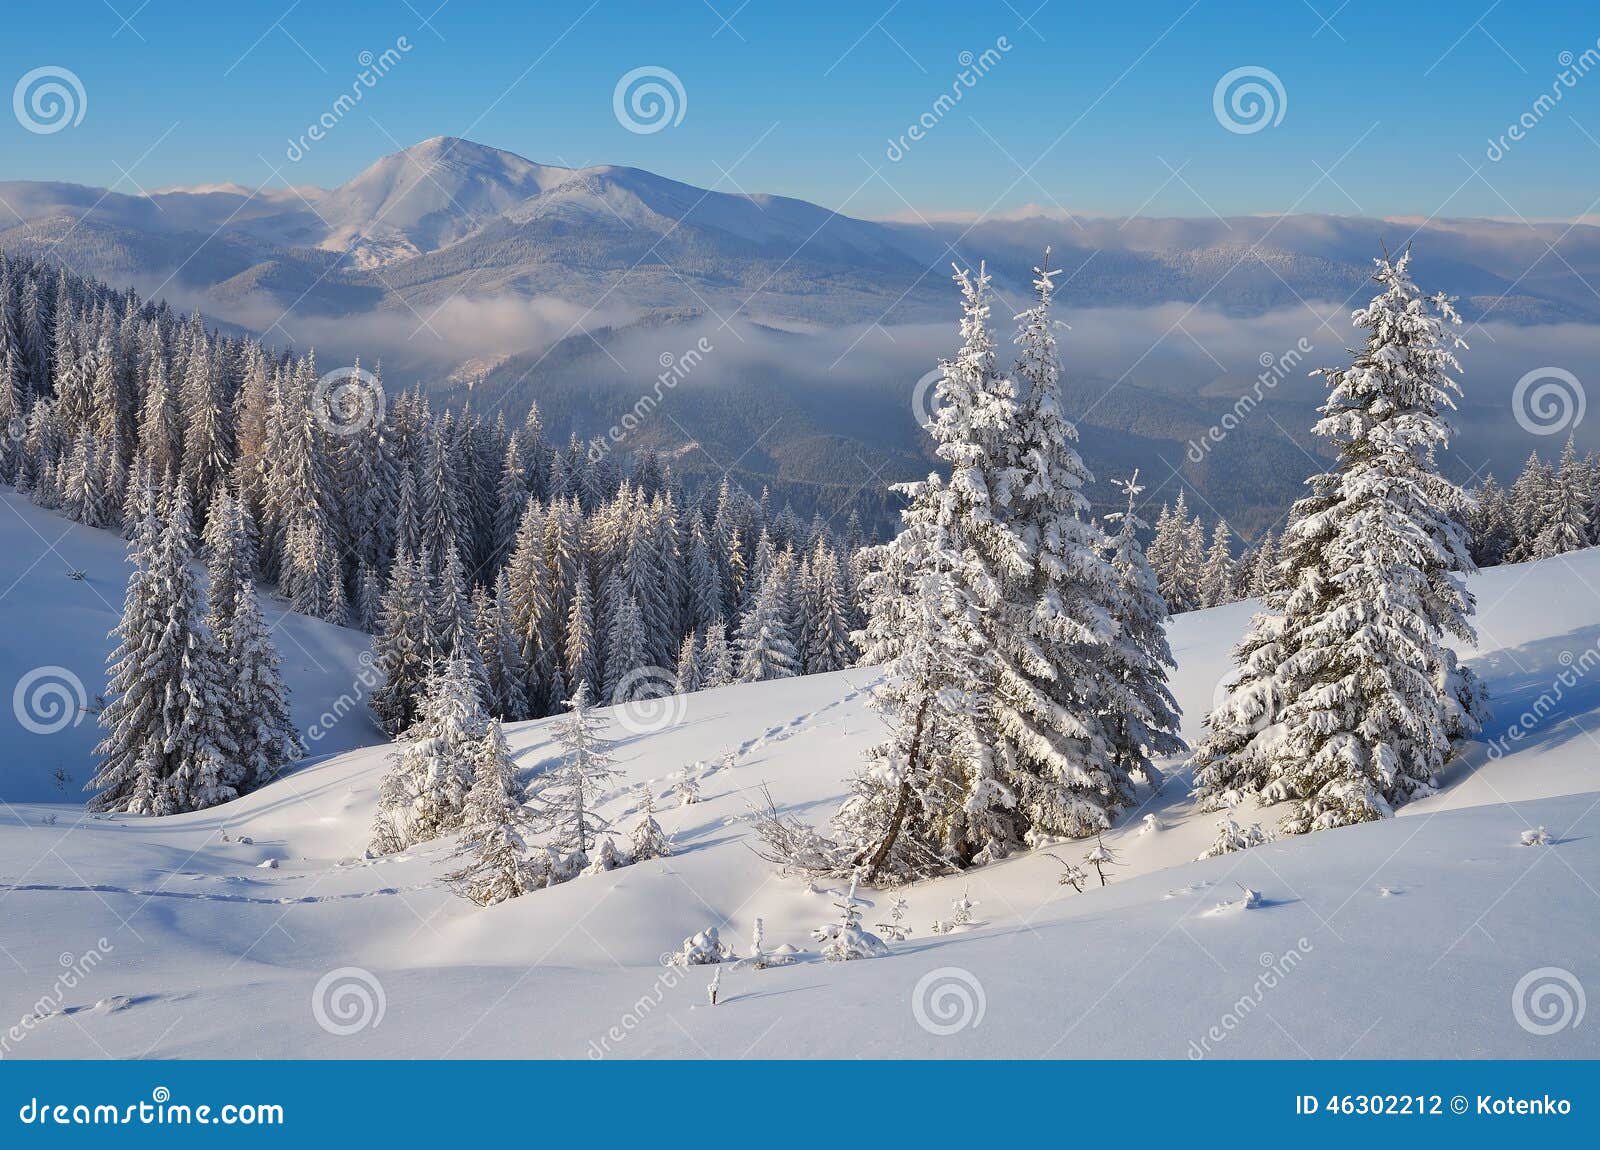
(570,791)
(494,828)
(257,702)
(424,793)
(765,645)
(1048,624)
(168,746)
(1217,576)
(928,799)
(1146,725)
(647,840)
(1347,701)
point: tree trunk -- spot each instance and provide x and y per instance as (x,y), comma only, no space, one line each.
(903,803)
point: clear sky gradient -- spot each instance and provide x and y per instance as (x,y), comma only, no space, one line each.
(1389,106)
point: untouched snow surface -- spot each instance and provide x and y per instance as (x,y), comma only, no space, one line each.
(1436,934)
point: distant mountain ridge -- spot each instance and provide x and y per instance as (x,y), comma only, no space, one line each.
(447,218)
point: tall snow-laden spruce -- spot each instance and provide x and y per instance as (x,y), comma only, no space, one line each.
(168,747)
(1050,626)
(258,701)
(1347,701)
(932,797)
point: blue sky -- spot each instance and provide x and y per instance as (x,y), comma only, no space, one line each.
(1388,107)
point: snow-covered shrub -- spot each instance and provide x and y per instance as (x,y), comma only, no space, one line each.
(605,858)
(494,823)
(1536,838)
(703,949)
(1232,837)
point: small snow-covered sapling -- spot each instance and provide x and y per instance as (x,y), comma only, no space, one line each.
(714,987)
(758,953)
(1100,856)
(1071,874)
(896,930)
(962,908)
(1536,838)
(845,941)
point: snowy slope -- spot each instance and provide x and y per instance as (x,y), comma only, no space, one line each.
(57,629)
(1401,938)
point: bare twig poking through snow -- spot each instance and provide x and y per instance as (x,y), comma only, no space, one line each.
(1071,875)
(1536,838)
(789,844)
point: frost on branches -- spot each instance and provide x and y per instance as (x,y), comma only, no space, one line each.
(170,746)
(846,940)
(494,826)
(571,791)
(1346,702)
(1146,725)
(425,793)
(1024,653)
(647,840)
